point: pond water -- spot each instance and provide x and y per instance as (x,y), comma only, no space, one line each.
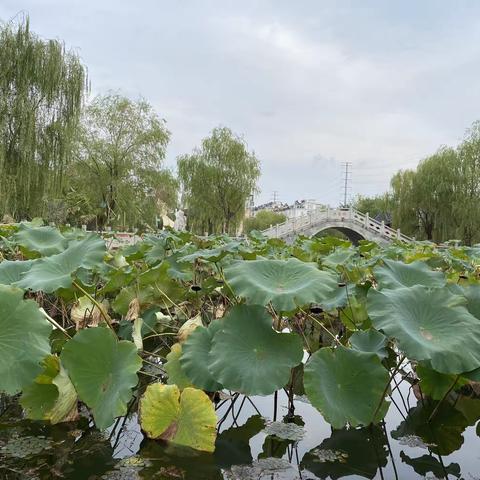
(248,446)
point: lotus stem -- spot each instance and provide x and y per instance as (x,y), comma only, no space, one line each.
(443,398)
(54,323)
(382,398)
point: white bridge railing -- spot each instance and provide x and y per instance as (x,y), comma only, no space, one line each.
(337,216)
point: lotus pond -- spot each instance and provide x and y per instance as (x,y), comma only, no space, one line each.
(205,358)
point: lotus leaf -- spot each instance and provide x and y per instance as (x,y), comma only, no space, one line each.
(173,367)
(370,341)
(52,395)
(346,386)
(429,324)
(187,419)
(11,272)
(285,283)
(24,339)
(103,370)
(54,272)
(43,240)
(195,357)
(248,356)
(436,385)
(394,274)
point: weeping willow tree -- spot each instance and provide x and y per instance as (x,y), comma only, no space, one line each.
(42,87)
(217,179)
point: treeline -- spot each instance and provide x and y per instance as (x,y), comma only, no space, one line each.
(440,199)
(101,162)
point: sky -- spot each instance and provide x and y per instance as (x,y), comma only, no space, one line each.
(308,84)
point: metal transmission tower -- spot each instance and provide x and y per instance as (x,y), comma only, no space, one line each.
(346,178)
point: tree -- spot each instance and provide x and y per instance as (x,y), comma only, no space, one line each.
(118,177)
(42,88)
(423,199)
(379,205)
(262,220)
(217,179)
(465,208)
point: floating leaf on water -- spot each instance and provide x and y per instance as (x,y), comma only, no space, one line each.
(285,431)
(260,469)
(414,441)
(285,284)
(323,455)
(248,356)
(187,419)
(26,446)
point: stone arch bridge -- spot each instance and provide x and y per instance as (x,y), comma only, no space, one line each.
(354,224)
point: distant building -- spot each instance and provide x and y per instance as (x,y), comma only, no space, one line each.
(297,209)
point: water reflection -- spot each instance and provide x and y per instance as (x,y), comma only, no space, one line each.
(406,446)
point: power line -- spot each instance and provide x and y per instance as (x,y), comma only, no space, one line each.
(346,178)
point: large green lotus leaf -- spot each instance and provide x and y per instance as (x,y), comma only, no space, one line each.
(175,372)
(52,395)
(285,283)
(394,274)
(188,419)
(196,357)
(370,341)
(12,271)
(472,294)
(428,324)
(248,356)
(103,371)
(24,339)
(436,385)
(346,386)
(43,240)
(54,272)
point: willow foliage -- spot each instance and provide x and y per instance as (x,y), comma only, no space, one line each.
(217,179)
(42,87)
(118,177)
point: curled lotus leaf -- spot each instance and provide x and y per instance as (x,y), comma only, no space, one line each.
(103,371)
(187,419)
(173,367)
(370,341)
(196,357)
(248,356)
(52,395)
(51,273)
(24,339)
(346,386)
(43,240)
(428,324)
(393,274)
(287,284)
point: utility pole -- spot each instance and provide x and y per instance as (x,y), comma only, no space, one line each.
(346,178)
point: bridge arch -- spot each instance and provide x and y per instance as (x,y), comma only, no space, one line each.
(352,234)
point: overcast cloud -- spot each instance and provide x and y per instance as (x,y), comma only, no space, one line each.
(309,84)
